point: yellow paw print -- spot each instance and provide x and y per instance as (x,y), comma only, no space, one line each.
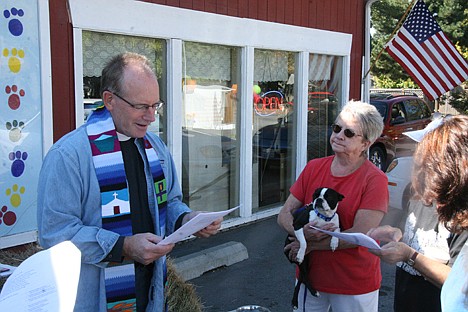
(14,61)
(15,192)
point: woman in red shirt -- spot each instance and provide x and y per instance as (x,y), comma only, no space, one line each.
(347,279)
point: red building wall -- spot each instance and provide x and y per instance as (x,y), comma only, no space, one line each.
(345,16)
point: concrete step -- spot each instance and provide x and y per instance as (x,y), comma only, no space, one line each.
(195,264)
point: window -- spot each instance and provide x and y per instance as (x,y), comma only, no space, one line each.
(210,124)
(273,128)
(416,110)
(231,147)
(98,48)
(323,102)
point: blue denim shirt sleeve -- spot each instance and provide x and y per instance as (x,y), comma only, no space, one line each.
(69,201)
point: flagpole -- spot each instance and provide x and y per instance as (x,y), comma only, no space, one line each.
(391,36)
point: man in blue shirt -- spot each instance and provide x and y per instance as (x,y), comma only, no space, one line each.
(110,187)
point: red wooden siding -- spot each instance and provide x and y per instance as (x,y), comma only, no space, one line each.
(345,16)
(63,81)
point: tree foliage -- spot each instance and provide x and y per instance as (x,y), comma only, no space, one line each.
(452,16)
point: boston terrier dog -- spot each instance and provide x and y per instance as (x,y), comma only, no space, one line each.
(322,209)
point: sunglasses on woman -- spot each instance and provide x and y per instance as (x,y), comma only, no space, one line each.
(347,132)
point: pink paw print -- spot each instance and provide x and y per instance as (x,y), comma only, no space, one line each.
(7,217)
(14,99)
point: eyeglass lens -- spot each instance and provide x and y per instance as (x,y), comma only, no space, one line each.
(347,132)
(157,106)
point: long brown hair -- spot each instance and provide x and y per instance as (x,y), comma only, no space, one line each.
(440,172)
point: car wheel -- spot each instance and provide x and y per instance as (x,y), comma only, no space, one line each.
(377,157)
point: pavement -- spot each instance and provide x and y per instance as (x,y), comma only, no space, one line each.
(245,265)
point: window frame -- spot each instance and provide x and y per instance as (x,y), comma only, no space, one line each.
(137,18)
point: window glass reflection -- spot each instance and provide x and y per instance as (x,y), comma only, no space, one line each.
(99,48)
(210,127)
(273,128)
(324,95)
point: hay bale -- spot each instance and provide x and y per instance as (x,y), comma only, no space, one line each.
(181,296)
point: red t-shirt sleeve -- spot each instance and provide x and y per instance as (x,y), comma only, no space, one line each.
(375,195)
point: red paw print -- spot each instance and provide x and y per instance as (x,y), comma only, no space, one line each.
(8,217)
(14,99)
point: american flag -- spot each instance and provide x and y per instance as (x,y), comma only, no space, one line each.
(421,47)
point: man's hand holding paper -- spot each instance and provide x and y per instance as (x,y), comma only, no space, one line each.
(209,230)
(202,224)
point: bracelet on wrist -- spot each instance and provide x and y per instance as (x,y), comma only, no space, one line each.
(412,260)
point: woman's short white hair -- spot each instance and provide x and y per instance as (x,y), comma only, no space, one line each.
(368,118)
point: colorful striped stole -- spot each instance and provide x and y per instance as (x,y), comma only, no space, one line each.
(115,209)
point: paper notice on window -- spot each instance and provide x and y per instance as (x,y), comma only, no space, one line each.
(200,221)
(46,281)
(354,238)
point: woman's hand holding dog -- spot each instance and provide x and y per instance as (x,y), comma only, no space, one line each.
(292,248)
(312,236)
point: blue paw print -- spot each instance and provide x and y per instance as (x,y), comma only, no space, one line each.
(14,25)
(18,158)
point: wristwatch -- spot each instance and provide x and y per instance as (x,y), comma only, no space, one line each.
(412,260)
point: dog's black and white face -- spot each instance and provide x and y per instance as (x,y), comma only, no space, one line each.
(326,201)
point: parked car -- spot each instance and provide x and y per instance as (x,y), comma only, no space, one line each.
(399,182)
(400,113)
(400,191)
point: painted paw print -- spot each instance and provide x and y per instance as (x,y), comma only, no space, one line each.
(7,217)
(14,25)
(14,99)
(18,158)
(14,61)
(15,128)
(14,193)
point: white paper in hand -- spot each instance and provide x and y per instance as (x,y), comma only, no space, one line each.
(200,221)
(354,238)
(46,281)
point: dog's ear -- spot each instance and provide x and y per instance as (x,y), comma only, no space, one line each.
(317,192)
(339,196)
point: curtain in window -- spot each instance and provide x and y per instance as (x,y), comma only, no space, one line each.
(271,66)
(320,67)
(98,48)
(211,62)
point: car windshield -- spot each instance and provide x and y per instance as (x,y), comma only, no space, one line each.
(381,107)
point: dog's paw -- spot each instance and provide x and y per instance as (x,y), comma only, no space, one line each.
(300,256)
(334,243)
(299,259)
